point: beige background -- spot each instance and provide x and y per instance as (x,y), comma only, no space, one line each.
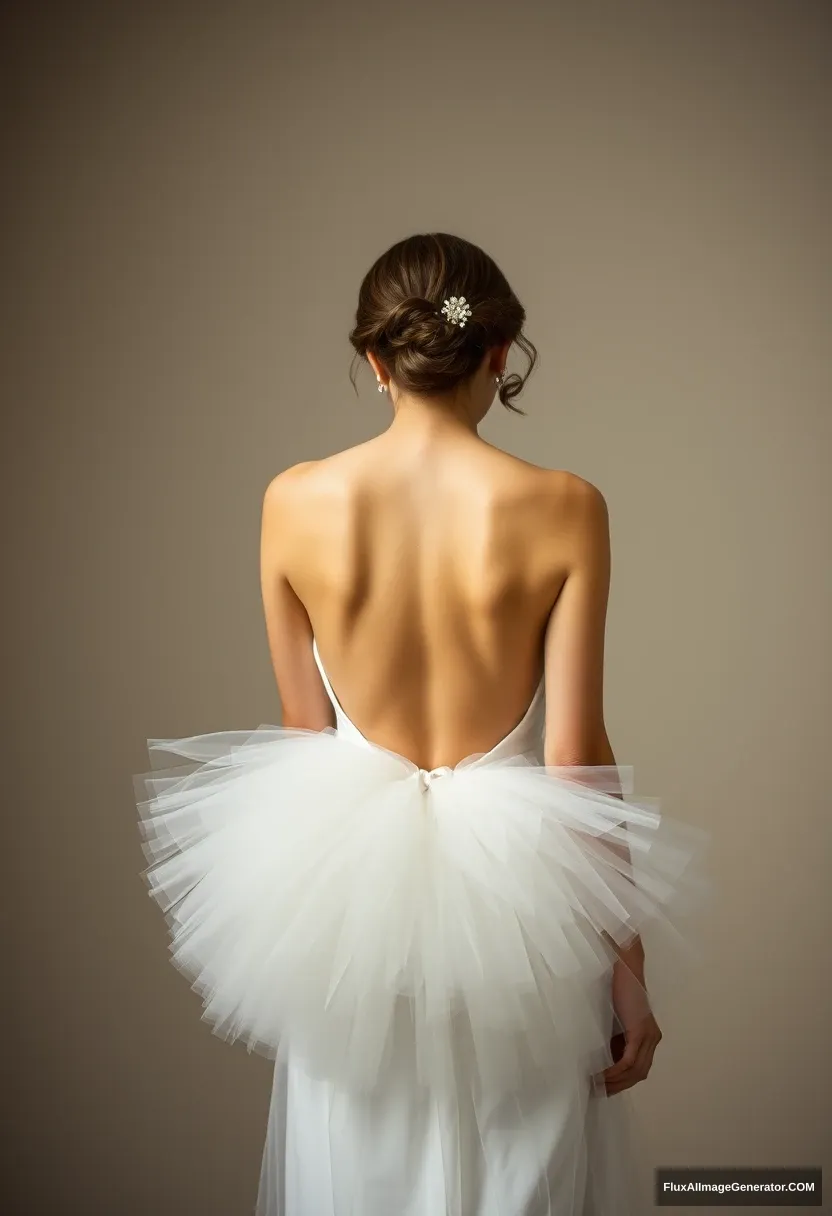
(196,191)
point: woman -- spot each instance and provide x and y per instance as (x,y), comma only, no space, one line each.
(423,894)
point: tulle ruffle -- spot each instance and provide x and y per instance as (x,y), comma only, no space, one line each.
(377,917)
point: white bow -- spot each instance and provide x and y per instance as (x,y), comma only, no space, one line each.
(426,775)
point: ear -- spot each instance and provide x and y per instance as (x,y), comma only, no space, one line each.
(498,356)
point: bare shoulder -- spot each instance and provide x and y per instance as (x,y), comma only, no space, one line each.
(304,507)
(287,493)
(570,522)
(288,482)
(285,502)
(584,518)
(576,504)
(311,475)
(560,487)
(584,500)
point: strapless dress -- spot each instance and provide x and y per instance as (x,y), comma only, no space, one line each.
(425,954)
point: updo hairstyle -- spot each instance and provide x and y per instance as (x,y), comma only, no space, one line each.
(399,316)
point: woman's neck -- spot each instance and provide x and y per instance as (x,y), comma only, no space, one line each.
(420,417)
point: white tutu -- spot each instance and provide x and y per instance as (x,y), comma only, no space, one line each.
(375,917)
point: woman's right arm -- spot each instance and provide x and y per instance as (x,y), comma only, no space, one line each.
(576,734)
(574,643)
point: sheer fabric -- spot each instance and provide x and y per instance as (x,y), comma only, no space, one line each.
(426,955)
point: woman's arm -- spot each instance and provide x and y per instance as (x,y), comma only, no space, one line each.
(574,642)
(631,956)
(576,734)
(304,700)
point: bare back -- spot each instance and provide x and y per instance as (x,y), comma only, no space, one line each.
(428,574)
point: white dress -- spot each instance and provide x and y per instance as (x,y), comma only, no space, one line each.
(421,954)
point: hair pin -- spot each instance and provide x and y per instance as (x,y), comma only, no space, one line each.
(456,310)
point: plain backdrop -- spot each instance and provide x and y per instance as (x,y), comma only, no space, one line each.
(194,191)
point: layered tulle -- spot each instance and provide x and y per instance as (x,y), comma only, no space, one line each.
(376,917)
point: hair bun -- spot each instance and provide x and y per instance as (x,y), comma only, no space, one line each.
(413,321)
(431,347)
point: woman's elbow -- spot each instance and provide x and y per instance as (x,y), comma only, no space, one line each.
(592,750)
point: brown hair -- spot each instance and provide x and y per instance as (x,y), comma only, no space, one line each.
(399,315)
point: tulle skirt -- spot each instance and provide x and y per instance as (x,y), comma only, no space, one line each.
(453,931)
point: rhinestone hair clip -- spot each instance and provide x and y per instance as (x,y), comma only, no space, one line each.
(456,310)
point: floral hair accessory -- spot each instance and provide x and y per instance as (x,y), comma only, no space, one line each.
(456,310)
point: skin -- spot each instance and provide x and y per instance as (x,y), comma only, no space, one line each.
(441,577)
